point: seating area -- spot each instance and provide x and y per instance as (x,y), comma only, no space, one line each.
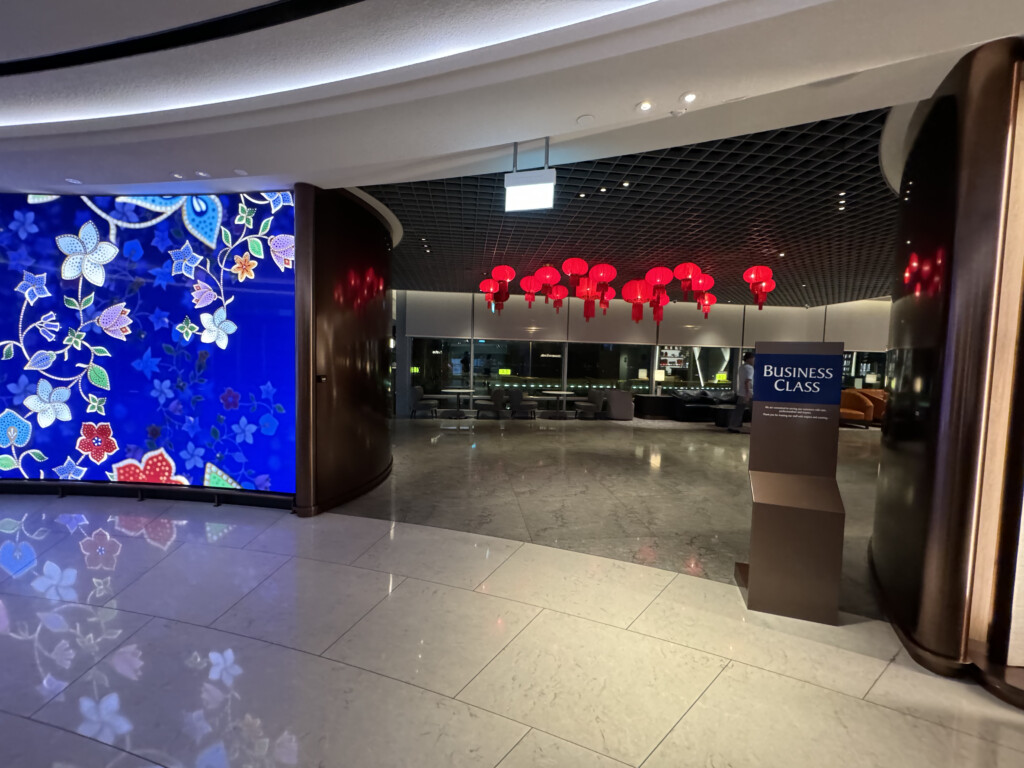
(862,407)
(514,403)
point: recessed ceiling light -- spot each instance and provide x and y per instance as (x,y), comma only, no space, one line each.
(241,172)
(689,98)
(782,255)
(908,242)
(803,285)
(842,207)
(203,174)
(625,183)
(177,175)
(72,181)
(842,194)
(428,250)
(585,119)
(645,106)
(582,194)
(423,239)
(604,189)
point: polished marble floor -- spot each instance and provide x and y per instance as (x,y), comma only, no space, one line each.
(662,493)
(181,635)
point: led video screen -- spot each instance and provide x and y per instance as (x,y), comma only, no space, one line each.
(148,339)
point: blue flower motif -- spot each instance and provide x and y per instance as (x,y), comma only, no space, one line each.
(262,482)
(278,199)
(267,391)
(191,426)
(133,250)
(162,390)
(23,224)
(161,240)
(103,720)
(32,287)
(20,389)
(72,521)
(70,471)
(243,431)
(185,261)
(147,364)
(217,328)
(16,559)
(192,455)
(125,212)
(223,667)
(159,319)
(268,424)
(49,404)
(14,429)
(201,214)
(55,583)
(48,326)
(19,259)
(162,275)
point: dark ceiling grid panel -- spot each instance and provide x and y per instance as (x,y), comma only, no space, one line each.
(724,204)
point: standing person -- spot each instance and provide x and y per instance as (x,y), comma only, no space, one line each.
(744,392)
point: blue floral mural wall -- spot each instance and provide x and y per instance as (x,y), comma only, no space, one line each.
(148,339)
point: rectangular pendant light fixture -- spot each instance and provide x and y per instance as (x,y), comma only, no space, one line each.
(529,190)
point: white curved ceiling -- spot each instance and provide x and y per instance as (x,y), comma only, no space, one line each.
(32,28)
(488,74)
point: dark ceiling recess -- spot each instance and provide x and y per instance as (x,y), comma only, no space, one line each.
(725,205)
(251,20)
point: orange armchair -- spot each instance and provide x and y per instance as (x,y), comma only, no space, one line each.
(855,408)
(879,399)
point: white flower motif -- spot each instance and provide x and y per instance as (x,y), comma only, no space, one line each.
(223,667)
(86,255)
(217,328)
(55,583)
(49,404)
(103,720)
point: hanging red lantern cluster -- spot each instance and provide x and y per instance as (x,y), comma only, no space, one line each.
(531,287)
(558,292)
(586,289)
(706,300)
(548,277)
(686,273)
(761,284)
(924,275)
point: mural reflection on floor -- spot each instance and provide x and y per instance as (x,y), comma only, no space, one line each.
(182,635)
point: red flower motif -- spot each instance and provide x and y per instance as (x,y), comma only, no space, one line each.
(160,532)
(230,399)
(100,550)
(156,467)
(97,441)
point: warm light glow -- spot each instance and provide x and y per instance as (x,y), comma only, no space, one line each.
(690,98)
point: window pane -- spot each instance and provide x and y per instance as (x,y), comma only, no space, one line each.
(612,366)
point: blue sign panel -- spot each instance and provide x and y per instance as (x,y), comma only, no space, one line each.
(810,379)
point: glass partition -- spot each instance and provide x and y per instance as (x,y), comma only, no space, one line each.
(707,368)
(440,364)
(532,365)
(609,366)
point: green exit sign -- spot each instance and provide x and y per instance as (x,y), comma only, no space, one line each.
(504,371)
(721,377)
(415,369)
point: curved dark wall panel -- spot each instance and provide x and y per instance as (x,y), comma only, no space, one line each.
(344,325)
(953,285)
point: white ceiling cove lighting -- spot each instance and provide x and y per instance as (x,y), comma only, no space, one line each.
(529,190)
(72,181)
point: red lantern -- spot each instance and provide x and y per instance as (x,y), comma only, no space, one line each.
(574,269)
(701,285)
(548,277)
(686,273)
(587,290)
(706,301)
(757,275)
(504,274)
(637,293)
(489,288)
(606,297)
(558,292)
(761,291)
(659,309)
(603,274)
(530,285)
(658,277)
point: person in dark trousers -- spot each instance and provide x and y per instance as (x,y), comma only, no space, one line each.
(744,392)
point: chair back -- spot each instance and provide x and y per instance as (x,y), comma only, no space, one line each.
(417,394)
(516,396)
(499,397)
(596,396)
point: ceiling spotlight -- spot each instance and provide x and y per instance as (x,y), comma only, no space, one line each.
(423,239)
(585,119)
(842,194)
(842,207)
(625,183)
(582,194)
(203,174)
(690,98)
(241,172)
(177,175)
(428,250)
(72,181)
(645,106)
(604,189)
(782,255)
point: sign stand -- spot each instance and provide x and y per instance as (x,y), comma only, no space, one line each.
(796,532)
